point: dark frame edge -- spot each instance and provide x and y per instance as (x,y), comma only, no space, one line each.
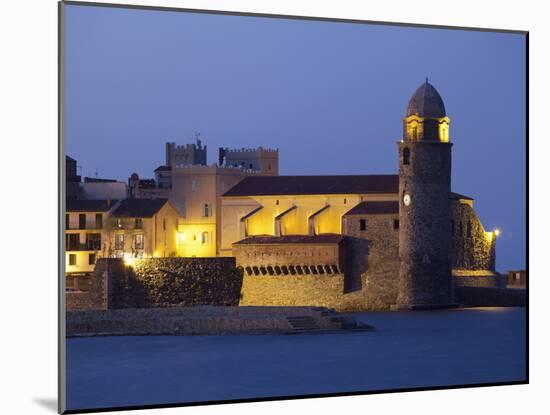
(527,264)
(61,345)
(290,17)
(294,397)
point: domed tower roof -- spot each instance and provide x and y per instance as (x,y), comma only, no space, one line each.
(426,102)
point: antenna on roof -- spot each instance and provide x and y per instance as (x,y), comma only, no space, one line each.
(426,79)
(96,175)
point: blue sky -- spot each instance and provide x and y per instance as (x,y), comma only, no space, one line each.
(331,96)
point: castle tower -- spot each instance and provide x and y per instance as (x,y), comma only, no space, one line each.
(263,160)
(425,279)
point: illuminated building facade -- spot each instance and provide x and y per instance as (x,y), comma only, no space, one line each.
(196,193)
(86,233)
(128,228)
(407,238)
(143,228)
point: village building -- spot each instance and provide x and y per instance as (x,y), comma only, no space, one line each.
(86,236)
(98,188)
(128,228)
(141,228)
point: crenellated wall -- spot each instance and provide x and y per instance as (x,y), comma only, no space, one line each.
(343,275)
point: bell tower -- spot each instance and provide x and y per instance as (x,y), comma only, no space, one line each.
(425,279)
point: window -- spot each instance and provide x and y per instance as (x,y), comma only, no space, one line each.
(82,221)
(205,237)
(119,223)
(139,223)
(67,226)
(277,202)
(72,241)
(91,259)
(415,133)
(460,229)
(139,241)
(269,166)
(250,166)
(119,241)
(193,185)
(453,228)
(469,229)
(362,224)
(163,224)
(72,259)
(345,201)
(93,241)
(406,155)
(206,210)
(98,221)
(396,224)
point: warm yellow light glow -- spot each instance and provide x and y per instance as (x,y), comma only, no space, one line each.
(129,261)
(182,236)
(196,240)
(444,132)
(497,232)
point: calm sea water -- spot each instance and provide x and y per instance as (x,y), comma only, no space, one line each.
(408,349)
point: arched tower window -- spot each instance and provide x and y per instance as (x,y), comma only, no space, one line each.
(406,155)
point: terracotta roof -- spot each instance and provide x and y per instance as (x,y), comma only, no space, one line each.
(89,205)
(139,208)
(325,238)
(375,208)
(314,185)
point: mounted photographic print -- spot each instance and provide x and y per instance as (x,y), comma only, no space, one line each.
(261,207)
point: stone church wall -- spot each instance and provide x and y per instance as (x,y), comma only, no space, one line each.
(473,250)
(472,247)
(380,275)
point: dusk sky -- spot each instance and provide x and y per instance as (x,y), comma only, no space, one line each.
(331,96)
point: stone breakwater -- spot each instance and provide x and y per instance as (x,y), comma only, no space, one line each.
(208,320)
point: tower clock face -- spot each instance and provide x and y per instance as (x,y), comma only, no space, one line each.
(407,200)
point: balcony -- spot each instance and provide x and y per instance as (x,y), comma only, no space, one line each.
(92,245)
(88,226)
